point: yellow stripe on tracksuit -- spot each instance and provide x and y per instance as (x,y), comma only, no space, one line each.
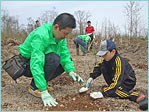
(121,94)
(96,65)
(120,88)
(117,74)
(134,94)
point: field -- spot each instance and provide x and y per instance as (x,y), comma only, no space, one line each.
(15,96)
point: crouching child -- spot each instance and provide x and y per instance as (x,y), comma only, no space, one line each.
(118,74)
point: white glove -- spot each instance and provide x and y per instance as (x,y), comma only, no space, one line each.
(47,99)
(96,95)
(89,81)
(94,37)
(83,89)
(76,77)
(89,34)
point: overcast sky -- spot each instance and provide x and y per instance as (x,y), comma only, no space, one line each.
(112,10)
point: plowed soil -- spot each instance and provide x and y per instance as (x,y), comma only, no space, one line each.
(15,96)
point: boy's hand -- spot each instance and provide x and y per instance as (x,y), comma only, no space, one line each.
(84,89)
(89,81)
(96,95)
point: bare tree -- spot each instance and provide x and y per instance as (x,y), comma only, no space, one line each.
(81,18)
(30,25)
(109,30)
(98,33)
(48,16)
(133,14)
(10,24)
(137,18)
(10,27)
(129,13)
(104,29)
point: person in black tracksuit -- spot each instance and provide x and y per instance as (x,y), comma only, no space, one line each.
(118,74)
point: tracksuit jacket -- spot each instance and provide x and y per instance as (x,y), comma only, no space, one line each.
(40,42)
(117,73)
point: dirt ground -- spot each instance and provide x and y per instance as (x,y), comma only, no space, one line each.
(15,96)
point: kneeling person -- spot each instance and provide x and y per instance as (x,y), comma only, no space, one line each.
(118,74)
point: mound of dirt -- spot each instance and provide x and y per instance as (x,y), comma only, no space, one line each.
(62,80)
(78,102)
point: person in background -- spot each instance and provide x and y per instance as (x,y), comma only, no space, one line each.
(118,74)
(82,40)
(46,50)
(91,31)
(37,24)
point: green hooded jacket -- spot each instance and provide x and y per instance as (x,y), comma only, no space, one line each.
(40,42)
(85,38)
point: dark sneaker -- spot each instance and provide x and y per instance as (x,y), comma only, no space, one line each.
(143,102)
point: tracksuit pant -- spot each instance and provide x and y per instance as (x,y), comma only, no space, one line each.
(125,94)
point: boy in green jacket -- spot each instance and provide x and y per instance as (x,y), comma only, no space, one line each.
(46,50)
(83,41)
